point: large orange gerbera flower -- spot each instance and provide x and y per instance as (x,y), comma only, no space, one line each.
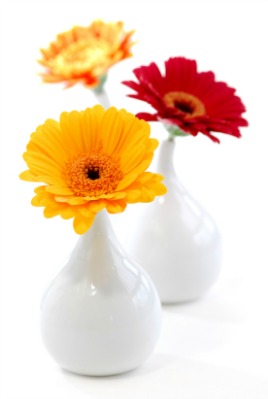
(91,160)
(84,54)
(188,101)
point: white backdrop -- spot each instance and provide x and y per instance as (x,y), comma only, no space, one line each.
(214,348)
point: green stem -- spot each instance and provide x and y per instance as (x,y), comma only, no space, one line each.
(174,131)
(99,89)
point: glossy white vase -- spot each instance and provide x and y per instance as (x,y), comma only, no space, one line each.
(102,314)
(176,241)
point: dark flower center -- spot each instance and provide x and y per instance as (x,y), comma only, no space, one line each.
(93,174)
(184,104)
(183,107)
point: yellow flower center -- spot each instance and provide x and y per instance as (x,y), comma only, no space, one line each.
(81,57)
(184,103)
(93,175)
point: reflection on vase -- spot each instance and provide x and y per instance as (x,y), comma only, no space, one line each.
(102,314)
(177,242)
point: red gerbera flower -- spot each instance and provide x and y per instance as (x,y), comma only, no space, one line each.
(188,101)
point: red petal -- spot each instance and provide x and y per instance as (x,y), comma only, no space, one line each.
(147,117)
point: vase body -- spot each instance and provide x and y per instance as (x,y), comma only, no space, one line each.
(178,243)
(102,314)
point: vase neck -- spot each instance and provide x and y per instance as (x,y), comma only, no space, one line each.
(165,158)
(101,228)
(95,251)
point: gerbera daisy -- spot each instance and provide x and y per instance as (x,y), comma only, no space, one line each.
(188,101)
(84,54)
(91,160)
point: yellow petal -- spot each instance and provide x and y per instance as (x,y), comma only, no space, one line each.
(82,224)
(116,206)
(59,190)
(71,200)
(145,188)
(92,207)
(126,181)
(52,211)
(27,176)
(66,213)
(111,130)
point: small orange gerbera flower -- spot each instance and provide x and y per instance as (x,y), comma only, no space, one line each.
(84,54)
(91,160)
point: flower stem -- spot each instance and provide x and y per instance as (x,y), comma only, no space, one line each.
(100,93)
(174,131)
(102,98)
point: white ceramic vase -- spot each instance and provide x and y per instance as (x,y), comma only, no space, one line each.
(176,241)
(102,314)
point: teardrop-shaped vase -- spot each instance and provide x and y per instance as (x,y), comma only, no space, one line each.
(177,243)
(102,314)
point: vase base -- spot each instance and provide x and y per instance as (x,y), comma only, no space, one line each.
(182,301)
(111,373)
(193,291)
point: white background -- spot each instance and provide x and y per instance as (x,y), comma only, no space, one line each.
(215,348)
